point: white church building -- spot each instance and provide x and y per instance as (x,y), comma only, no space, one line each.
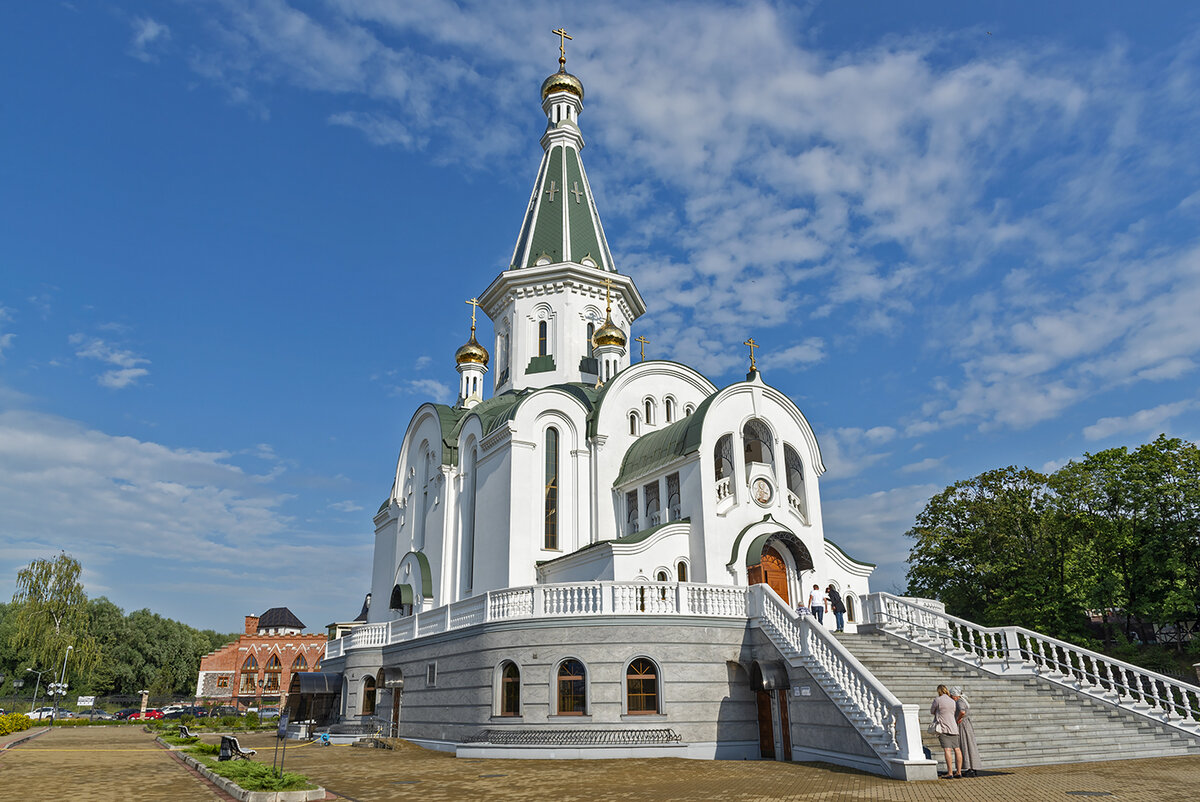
(574,560)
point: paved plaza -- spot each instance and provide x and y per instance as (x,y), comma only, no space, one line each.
(125,763)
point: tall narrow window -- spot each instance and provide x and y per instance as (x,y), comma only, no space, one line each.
(673,501)
(669,405)
(649,413)
(795,480)
(542,338)
(368,700)
(551,488)
(299,664)
(572,688)
(723,456)
(633,422)
(273,671)
(631,512)
(468,545)
(850,608)
(650,493)
(591,348)
(510,690)
(248,685)
(681,571)
(641,687)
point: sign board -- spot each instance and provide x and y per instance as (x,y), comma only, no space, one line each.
(806,690)
(281,733)
(86,701)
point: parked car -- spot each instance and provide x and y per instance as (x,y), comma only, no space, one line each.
(150,712)
(98,714)
(225,710)
(125,713)
(41,713)
(173,709)
(268,713)
(180,712)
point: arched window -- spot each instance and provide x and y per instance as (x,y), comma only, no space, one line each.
(641,687)
(723,456)
(551,488)
(591,348)
(649,412)
(542,344)
(661,576)
(510,690)
(572,688)
(850,608)
(681,571)
(248,685)
(756,441)
(650,493)
(688,410)
(795,480)
(273,671)
(669,409)
(674,510)
(633,423)
(299,664)
(631,512)
(368,699)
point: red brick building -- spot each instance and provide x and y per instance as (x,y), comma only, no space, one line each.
(257,668)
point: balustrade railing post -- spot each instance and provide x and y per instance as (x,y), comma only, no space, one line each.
(681,599)
(607,591)
(539,601)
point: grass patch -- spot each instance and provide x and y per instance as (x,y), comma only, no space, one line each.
(258,776)
(204,750)
(175,740)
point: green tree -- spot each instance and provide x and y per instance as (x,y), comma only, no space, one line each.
(51,614)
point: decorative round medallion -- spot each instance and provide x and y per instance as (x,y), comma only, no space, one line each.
(761,491)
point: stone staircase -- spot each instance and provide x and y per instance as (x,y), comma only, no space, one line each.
(1019,720)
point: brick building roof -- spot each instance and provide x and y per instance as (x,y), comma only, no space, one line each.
(279,617)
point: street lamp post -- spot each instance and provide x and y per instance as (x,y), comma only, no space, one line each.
(18,684)
(37,686)
(62,686)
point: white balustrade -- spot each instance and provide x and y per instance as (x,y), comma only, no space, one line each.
(589,599)
(891,728)
(724,488)
(1016,650)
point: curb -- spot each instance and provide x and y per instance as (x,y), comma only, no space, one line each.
(238,792)
(19,741)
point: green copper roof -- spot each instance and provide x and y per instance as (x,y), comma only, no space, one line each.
(847,556)
(499,410)
(579,214)
(547,238)
(449,417)
(636,537)
(664,446)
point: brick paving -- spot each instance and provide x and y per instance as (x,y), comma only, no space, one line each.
(104,763)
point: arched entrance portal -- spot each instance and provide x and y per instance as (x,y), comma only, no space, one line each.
(777,559)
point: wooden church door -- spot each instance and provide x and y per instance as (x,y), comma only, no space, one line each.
(774,573)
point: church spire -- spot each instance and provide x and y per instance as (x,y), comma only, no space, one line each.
(561,222)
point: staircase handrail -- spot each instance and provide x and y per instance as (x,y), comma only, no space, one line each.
(1014,649)
(866,694)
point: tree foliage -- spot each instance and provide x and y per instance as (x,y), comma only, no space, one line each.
(1114,532)
(114,653)
(51,613)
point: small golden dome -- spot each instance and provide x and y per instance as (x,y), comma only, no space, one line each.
(562,81)
(471,353)
(609,334)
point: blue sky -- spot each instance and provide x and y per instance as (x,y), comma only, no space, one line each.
(236,237)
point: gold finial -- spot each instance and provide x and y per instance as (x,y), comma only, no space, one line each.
(562,35)
(752,345)
(474,302)
(642,339)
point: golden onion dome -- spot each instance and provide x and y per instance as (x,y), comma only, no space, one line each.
(609,334)
(562,81)
(471,353)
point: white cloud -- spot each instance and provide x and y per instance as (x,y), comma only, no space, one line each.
(428,388)
(872,527)
(148,36)
(378,129)
(6,338)
(423,362)
(345,506)
(126,361)
(927,464)
(1146,420)
(849,451)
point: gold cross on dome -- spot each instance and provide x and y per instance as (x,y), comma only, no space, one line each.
(562,35)
(752,345)
(642,340)
(608,285)
(474,302)
(576,192)
(553,189)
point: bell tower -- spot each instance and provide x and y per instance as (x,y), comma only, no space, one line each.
(546,307)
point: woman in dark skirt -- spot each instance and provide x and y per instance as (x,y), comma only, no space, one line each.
(966,732)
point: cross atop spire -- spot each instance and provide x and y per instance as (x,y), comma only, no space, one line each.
(608,285)
(752,345)
(562,35)
(641,339)
(474,302)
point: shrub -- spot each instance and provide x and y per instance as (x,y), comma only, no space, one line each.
(175,740)
(251,720)
(14,722)
(228,722)
(204,750)
(255,776)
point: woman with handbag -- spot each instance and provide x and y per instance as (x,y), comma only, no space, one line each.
(946,730)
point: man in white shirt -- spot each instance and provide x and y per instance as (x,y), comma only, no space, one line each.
(816,603)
